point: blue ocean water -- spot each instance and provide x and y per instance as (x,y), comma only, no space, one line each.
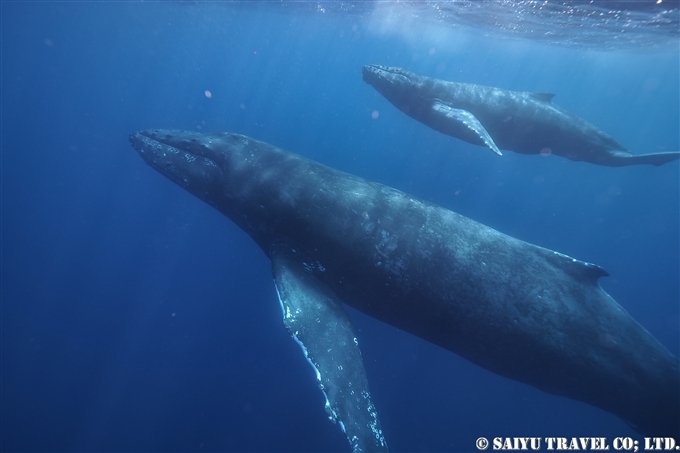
(136,318)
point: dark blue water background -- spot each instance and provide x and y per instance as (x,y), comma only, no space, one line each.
(134,317)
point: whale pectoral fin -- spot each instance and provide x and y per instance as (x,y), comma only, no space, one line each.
(318,323)
(468,120)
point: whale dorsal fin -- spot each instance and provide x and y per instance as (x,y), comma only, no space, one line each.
(317,321)
(545,97)
(581,270)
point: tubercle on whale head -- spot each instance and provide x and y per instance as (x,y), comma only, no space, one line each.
(147,143)
(375,72)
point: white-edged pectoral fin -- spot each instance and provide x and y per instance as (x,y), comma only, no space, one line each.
(318,322)
(468,120)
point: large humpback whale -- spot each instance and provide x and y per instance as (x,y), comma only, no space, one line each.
(523,122)
(517,309)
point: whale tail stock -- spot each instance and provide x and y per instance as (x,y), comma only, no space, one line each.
(620,159)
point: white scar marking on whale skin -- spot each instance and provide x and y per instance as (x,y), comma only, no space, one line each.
(314,266)
(383,254)
(388,243)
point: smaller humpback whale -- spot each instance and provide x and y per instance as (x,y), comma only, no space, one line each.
(514,308)
(523,122)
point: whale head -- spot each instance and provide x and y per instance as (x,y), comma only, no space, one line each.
(389,80)
(215,167)
(185,158)
(237,175)
(406,90)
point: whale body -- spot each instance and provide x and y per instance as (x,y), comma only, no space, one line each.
(514,308)
(523,122)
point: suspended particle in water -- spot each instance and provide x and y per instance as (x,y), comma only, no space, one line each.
(375,114)
(208,94)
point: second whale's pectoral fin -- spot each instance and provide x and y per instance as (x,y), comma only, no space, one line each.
(318,322)
(468,120)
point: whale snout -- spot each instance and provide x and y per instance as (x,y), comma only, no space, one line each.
(382,77)
(371,72)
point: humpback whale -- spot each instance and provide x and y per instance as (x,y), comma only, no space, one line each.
(514,308)
(523,122)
